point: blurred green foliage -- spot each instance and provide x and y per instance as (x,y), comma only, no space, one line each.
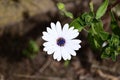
(66,63)
(31,50)
(102,9)
(63,11)
(91,21)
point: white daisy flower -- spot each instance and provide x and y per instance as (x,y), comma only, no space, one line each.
(60,42)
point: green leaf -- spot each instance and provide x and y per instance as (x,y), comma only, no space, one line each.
(63,11)
(33,46)
(88,18)
(93,29)
(114,25)
(97,35)
(97,45)
(91,6)
(112,50)
(94,40)
(104,55)
(118,49)
(114,41)
(69,14)
(76,24)
(113,56)
(102,9)
(106,51)
(66,63)
(98,26)
(61,6)
(31,50)
(104,35)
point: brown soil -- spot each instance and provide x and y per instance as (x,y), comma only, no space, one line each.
(87,65)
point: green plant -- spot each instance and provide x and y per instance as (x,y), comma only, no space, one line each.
(31,50)
(92,23)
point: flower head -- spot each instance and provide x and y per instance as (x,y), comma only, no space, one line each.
(60,41)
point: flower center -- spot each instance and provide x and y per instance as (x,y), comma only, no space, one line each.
(60,41)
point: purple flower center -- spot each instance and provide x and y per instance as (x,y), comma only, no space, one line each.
(60,41)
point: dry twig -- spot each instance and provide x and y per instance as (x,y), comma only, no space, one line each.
(107,76)
(38,77)
(45,65)
(1,77)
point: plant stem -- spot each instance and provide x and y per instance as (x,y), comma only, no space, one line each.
(113,5)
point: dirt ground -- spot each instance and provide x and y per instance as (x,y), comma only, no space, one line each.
(87,65)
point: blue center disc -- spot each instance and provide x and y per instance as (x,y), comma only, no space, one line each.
(60,41)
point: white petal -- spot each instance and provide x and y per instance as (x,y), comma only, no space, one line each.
(47,38)
(71,51)
(53,26)
(45,49)
(45,33)
(71,34)
(73,46)
(65,28)
(58,28)
(47,44)
(76,47)
(104,44)
(71,28)
(49,30)
(50,49)
(57,54)
(50,33)
(59,57)
(65,54)
(74,41)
